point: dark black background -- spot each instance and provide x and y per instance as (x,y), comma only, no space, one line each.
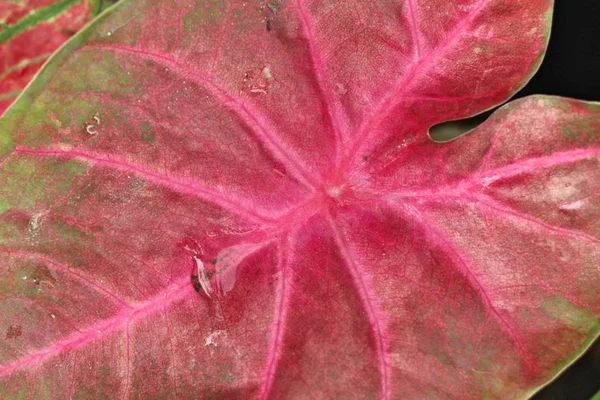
(572,69)
(572,64)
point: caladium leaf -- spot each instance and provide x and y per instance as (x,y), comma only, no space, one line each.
(238,199)
(31,30)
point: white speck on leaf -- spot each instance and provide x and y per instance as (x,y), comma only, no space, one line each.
(267,73)
(91,129)
(211,339)
(488,180)
(576,205)
(334,191)
(35,226)
(340,89)
(263,91)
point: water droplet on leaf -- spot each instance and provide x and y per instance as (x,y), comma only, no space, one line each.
(217,277)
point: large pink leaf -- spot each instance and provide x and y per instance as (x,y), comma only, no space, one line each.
(227,199)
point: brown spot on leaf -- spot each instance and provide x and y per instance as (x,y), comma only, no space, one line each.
(255,81)
(14,331)
(42,276)
(69,32)
(195,280)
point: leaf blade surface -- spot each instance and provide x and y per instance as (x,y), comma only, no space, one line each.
(203,220)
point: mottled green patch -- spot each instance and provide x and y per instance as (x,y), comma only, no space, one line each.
(569,132)
(43,119)
(70,232)
(243,21)
(30,278)
(432,394)
(4,206)
(583,131)
(211,13)
(95,72)
(36,118)
(580,319)
(147,133)
(8,278)
(490,371)
(30,181)
(6,142)
(74,167)
(10,235)
(524,311)
(14,392)
(439,354)
(45,387)
(17,171)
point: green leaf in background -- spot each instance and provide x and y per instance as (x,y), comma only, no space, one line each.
(100,5)
(36,17)
(30,31)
